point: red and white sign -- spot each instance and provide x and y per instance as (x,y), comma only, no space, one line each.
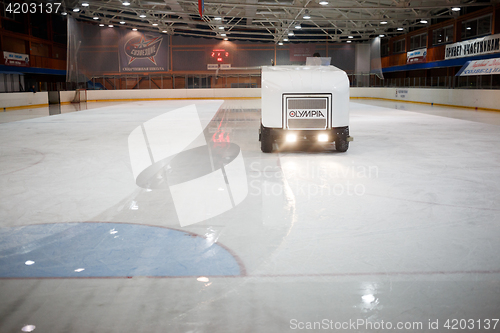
(481,67)
(416,56)
(16,59)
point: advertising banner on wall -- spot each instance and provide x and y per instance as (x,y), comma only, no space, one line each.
(480,67)
(16,59)
(473,47)
(143,52)
(301,52)
(416,56)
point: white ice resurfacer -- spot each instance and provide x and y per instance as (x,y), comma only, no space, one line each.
(304,103)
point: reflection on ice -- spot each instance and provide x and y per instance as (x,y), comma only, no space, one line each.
(171,152)
(368,298)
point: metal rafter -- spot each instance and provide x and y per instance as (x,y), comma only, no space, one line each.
(271,19)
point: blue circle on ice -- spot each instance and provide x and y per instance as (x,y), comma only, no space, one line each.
(110,250)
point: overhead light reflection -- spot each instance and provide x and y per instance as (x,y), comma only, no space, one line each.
(29,262)
(203,279)
(28,328)
(368,298)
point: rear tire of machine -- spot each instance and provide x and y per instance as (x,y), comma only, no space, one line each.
(341,145)
(266,144)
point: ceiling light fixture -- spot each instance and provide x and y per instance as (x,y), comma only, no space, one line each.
(383,22)
(76,10)
(64,13)
(348,41)
(142,15)
(223,35)
(101,25)
(85,4)
(298,26)
(122,22)
(226,38)
(221,27)
(291,33)
(280,43)
(456,9)
(350,37)
(164,31)
(134,29)
(126,3)
(381,35)
(95,17)
(155,24)
(400,29)
(111,26)
(285,39)
(323,3)
(306,15)
(423,21)
(217,18)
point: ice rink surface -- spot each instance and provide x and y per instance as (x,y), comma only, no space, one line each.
(165,216)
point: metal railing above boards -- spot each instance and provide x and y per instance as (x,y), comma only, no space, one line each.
(447,82)
(252,80)
(175,81)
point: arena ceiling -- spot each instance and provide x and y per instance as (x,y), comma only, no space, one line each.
(274,20)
